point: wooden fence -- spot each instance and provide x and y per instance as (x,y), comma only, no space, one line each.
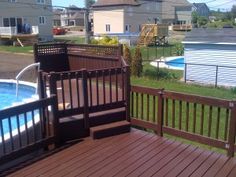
(71,57)
(26,128)
(201,119)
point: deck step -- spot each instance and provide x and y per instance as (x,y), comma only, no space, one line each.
(110,129)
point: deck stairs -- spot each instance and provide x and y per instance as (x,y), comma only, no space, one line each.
(147,35)
(109,123)
(26,41)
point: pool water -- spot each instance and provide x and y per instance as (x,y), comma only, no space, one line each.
(8,99)
(8,94)
(179,63)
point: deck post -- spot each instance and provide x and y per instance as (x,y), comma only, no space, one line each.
(41,85)
(127,90)
(160,117)
(232,130)
(53,93)
(55,120)
(85,93)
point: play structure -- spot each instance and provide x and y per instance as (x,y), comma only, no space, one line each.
(153,34)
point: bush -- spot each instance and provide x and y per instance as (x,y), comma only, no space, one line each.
(233,90)
(127,55)
(163,73)
(105,40)
(136,66)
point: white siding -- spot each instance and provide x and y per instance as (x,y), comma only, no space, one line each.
(221,55)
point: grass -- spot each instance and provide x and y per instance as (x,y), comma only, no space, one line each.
(183,116)
(75,40)
(154,52)
(178,86)
(16,49)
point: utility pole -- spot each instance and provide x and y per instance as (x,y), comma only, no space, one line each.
(86,22)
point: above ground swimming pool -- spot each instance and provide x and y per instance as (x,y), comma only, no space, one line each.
(176,62)
(8,93)
(26,93)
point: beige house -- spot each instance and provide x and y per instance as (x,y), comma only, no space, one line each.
(122,16)
(26,17)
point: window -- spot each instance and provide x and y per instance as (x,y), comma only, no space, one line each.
(41,1)
(108,28)
(6,22)
(9,22)
(42,20)
(127,28)
(12,22)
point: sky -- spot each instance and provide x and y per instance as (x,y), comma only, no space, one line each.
(223,5)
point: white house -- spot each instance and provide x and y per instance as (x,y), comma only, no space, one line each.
(26,16)
(210,55)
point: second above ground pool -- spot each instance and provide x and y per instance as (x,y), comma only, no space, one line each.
(176,62)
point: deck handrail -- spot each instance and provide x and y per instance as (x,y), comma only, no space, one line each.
(205,120)
(37,131)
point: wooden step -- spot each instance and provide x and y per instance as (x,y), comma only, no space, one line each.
(110,129)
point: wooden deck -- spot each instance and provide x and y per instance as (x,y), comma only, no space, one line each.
(137,153)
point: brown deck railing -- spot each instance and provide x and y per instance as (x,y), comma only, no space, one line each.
(67,57)
(205,120)
(84,92)
(29,127)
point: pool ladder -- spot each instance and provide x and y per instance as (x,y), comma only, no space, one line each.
(22,72)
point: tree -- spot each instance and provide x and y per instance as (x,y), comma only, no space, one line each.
(127,55)
(194,17)
(233,11)
(202,21)
(137,67)
(90,2)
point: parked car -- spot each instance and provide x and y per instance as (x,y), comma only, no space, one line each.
(228,26)
(59,31)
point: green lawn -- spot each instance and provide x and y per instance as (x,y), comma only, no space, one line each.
(154,52)
(181,118)
(76,40)
(178,86)
(16,49)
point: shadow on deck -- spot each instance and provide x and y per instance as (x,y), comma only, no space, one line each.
(137,153)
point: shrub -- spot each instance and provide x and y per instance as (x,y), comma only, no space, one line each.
(163,73)
(127,55)
(136,66)
(105,40)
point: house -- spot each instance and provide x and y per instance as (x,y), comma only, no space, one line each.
(210,55)
(122,16)
(31,17)
(57,17)
(201,9)
(72,16)
(176,12)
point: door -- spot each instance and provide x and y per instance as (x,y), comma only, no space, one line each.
(19,24)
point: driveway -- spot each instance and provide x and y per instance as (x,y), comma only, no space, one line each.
(11,64)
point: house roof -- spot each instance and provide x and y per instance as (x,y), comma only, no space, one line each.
(211,36)
(200,5)
(103,3)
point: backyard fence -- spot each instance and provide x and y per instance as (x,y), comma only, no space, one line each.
(155,52)
(216,75)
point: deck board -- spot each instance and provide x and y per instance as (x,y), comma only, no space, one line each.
(137,153)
